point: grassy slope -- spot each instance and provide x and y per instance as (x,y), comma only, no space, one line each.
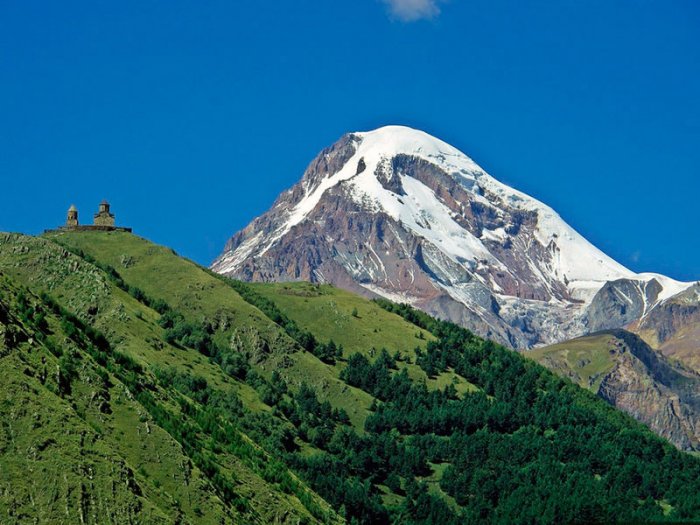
(162,274)
(121,467)
(585,360)
(327,312)
(130,327)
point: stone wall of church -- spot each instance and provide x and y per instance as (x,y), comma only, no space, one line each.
(104,219)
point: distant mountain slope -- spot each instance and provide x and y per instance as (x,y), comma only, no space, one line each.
(400,214)
(674,327)
(622,369)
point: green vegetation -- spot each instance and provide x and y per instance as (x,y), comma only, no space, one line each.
(351,321)
(207,400)
(203,297)
(585,360)
(538,434)
(326,352)
(63,415)
(186,467)
(328,312)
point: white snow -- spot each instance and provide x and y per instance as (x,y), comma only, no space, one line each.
(426,216)
(390,294)
(234,258)
(578,259)
(498,234)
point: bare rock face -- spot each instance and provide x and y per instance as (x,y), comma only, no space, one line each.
(399,214)
(621,302)
(673,327)
(655,391)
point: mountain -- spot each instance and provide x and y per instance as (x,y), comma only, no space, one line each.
(625,371)
(139,387)
(399,214)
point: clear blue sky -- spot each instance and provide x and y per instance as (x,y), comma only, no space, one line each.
(191,117)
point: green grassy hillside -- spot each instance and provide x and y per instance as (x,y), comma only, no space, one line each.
(350,320)
(585,360)
(130,328)
(74,443)
(202,297)
(290,403)
(358,325)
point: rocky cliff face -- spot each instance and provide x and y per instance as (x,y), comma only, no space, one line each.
(621,302)
(655,391)
(400,214)
(673,327)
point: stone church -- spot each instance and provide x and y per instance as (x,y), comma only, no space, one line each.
(103,217)
(103,220)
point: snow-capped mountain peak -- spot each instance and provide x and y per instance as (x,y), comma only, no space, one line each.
(399,213)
